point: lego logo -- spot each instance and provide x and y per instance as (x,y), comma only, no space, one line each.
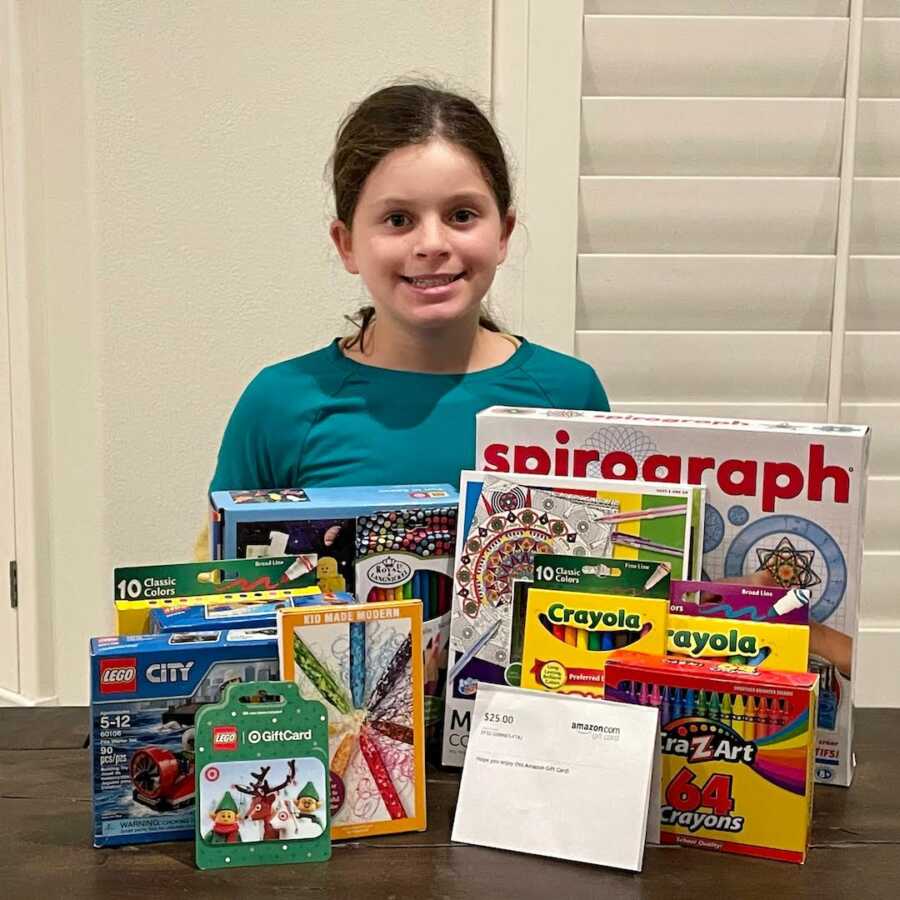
(225,738)
(118,676)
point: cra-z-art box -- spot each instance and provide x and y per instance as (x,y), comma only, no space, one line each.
(504,522)
(785,505)
(145,693)
(737,751)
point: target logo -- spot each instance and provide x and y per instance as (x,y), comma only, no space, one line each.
(211,773)
(225,737)
(118,676)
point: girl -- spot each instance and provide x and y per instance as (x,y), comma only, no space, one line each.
(424,216)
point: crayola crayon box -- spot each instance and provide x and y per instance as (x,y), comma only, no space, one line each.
(145,693)
(737,748)
(382,543)
(236,615)
(364,662)
(580,610)
(139,590)
(784,498)
(505,522)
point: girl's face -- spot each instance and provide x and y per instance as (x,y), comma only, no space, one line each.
(426,236)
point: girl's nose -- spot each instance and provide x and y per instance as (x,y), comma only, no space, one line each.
(431,239)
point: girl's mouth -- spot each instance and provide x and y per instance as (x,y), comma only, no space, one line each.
(431,281)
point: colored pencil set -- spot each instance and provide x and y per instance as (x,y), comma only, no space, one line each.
(432,588)
(738,749)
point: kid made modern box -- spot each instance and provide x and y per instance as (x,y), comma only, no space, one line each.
(145,693)
(785,499)
(364,663)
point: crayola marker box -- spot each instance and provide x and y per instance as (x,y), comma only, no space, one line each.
(139,590)
(784,498)
(742,642)
(737,751)
(580,610)
(569,637)
(364,662)
(505,522)
(382,543)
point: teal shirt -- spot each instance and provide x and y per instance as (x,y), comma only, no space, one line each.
(325,420)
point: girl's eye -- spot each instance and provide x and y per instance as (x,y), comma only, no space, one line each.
(463,216)
(398,220)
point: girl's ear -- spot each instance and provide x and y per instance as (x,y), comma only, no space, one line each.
(343,242)
(509,223)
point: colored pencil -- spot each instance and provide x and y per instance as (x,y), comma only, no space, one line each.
(661,512)
(482,640)
(638,543)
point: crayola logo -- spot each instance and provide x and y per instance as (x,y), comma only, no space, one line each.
(593,619)
(705,643)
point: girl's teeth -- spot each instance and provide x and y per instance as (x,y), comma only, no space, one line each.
(431,282)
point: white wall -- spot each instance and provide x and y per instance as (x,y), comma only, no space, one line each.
(176,243)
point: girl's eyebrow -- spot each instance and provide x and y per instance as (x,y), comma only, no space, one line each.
(464,197)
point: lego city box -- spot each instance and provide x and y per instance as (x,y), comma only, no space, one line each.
(383,543)
(737,748)
(364,662)
(145,693)
(784,499)
(139,590)
(505,521)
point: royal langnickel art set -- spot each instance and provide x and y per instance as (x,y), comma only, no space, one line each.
(287,694)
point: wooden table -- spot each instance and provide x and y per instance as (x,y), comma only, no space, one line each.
(45,835)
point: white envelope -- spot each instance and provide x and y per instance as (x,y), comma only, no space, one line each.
(560,776)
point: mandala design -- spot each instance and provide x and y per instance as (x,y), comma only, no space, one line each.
(789,566)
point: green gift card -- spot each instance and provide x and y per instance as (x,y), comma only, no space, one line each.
(262,778)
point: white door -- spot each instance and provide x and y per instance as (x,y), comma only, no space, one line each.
(9,631)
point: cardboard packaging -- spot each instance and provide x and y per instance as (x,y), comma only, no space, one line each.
(364,662)
(145,693)
(390,542)
(785,499)
(505,521)
(737,751)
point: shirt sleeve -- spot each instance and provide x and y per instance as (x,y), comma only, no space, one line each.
(246,458)
(597,400)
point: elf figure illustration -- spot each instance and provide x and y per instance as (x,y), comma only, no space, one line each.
(307,803)
(226,829)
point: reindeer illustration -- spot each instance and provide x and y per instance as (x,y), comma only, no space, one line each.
(264,796)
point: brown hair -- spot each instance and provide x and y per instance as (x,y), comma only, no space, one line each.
(396,117)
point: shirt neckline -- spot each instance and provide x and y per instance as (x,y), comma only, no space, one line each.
(520,355)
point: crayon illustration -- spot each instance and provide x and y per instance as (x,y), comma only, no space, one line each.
(375,717)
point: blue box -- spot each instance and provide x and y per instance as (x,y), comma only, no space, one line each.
(231,616)
(393,542)
(331,523)
(145,692)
